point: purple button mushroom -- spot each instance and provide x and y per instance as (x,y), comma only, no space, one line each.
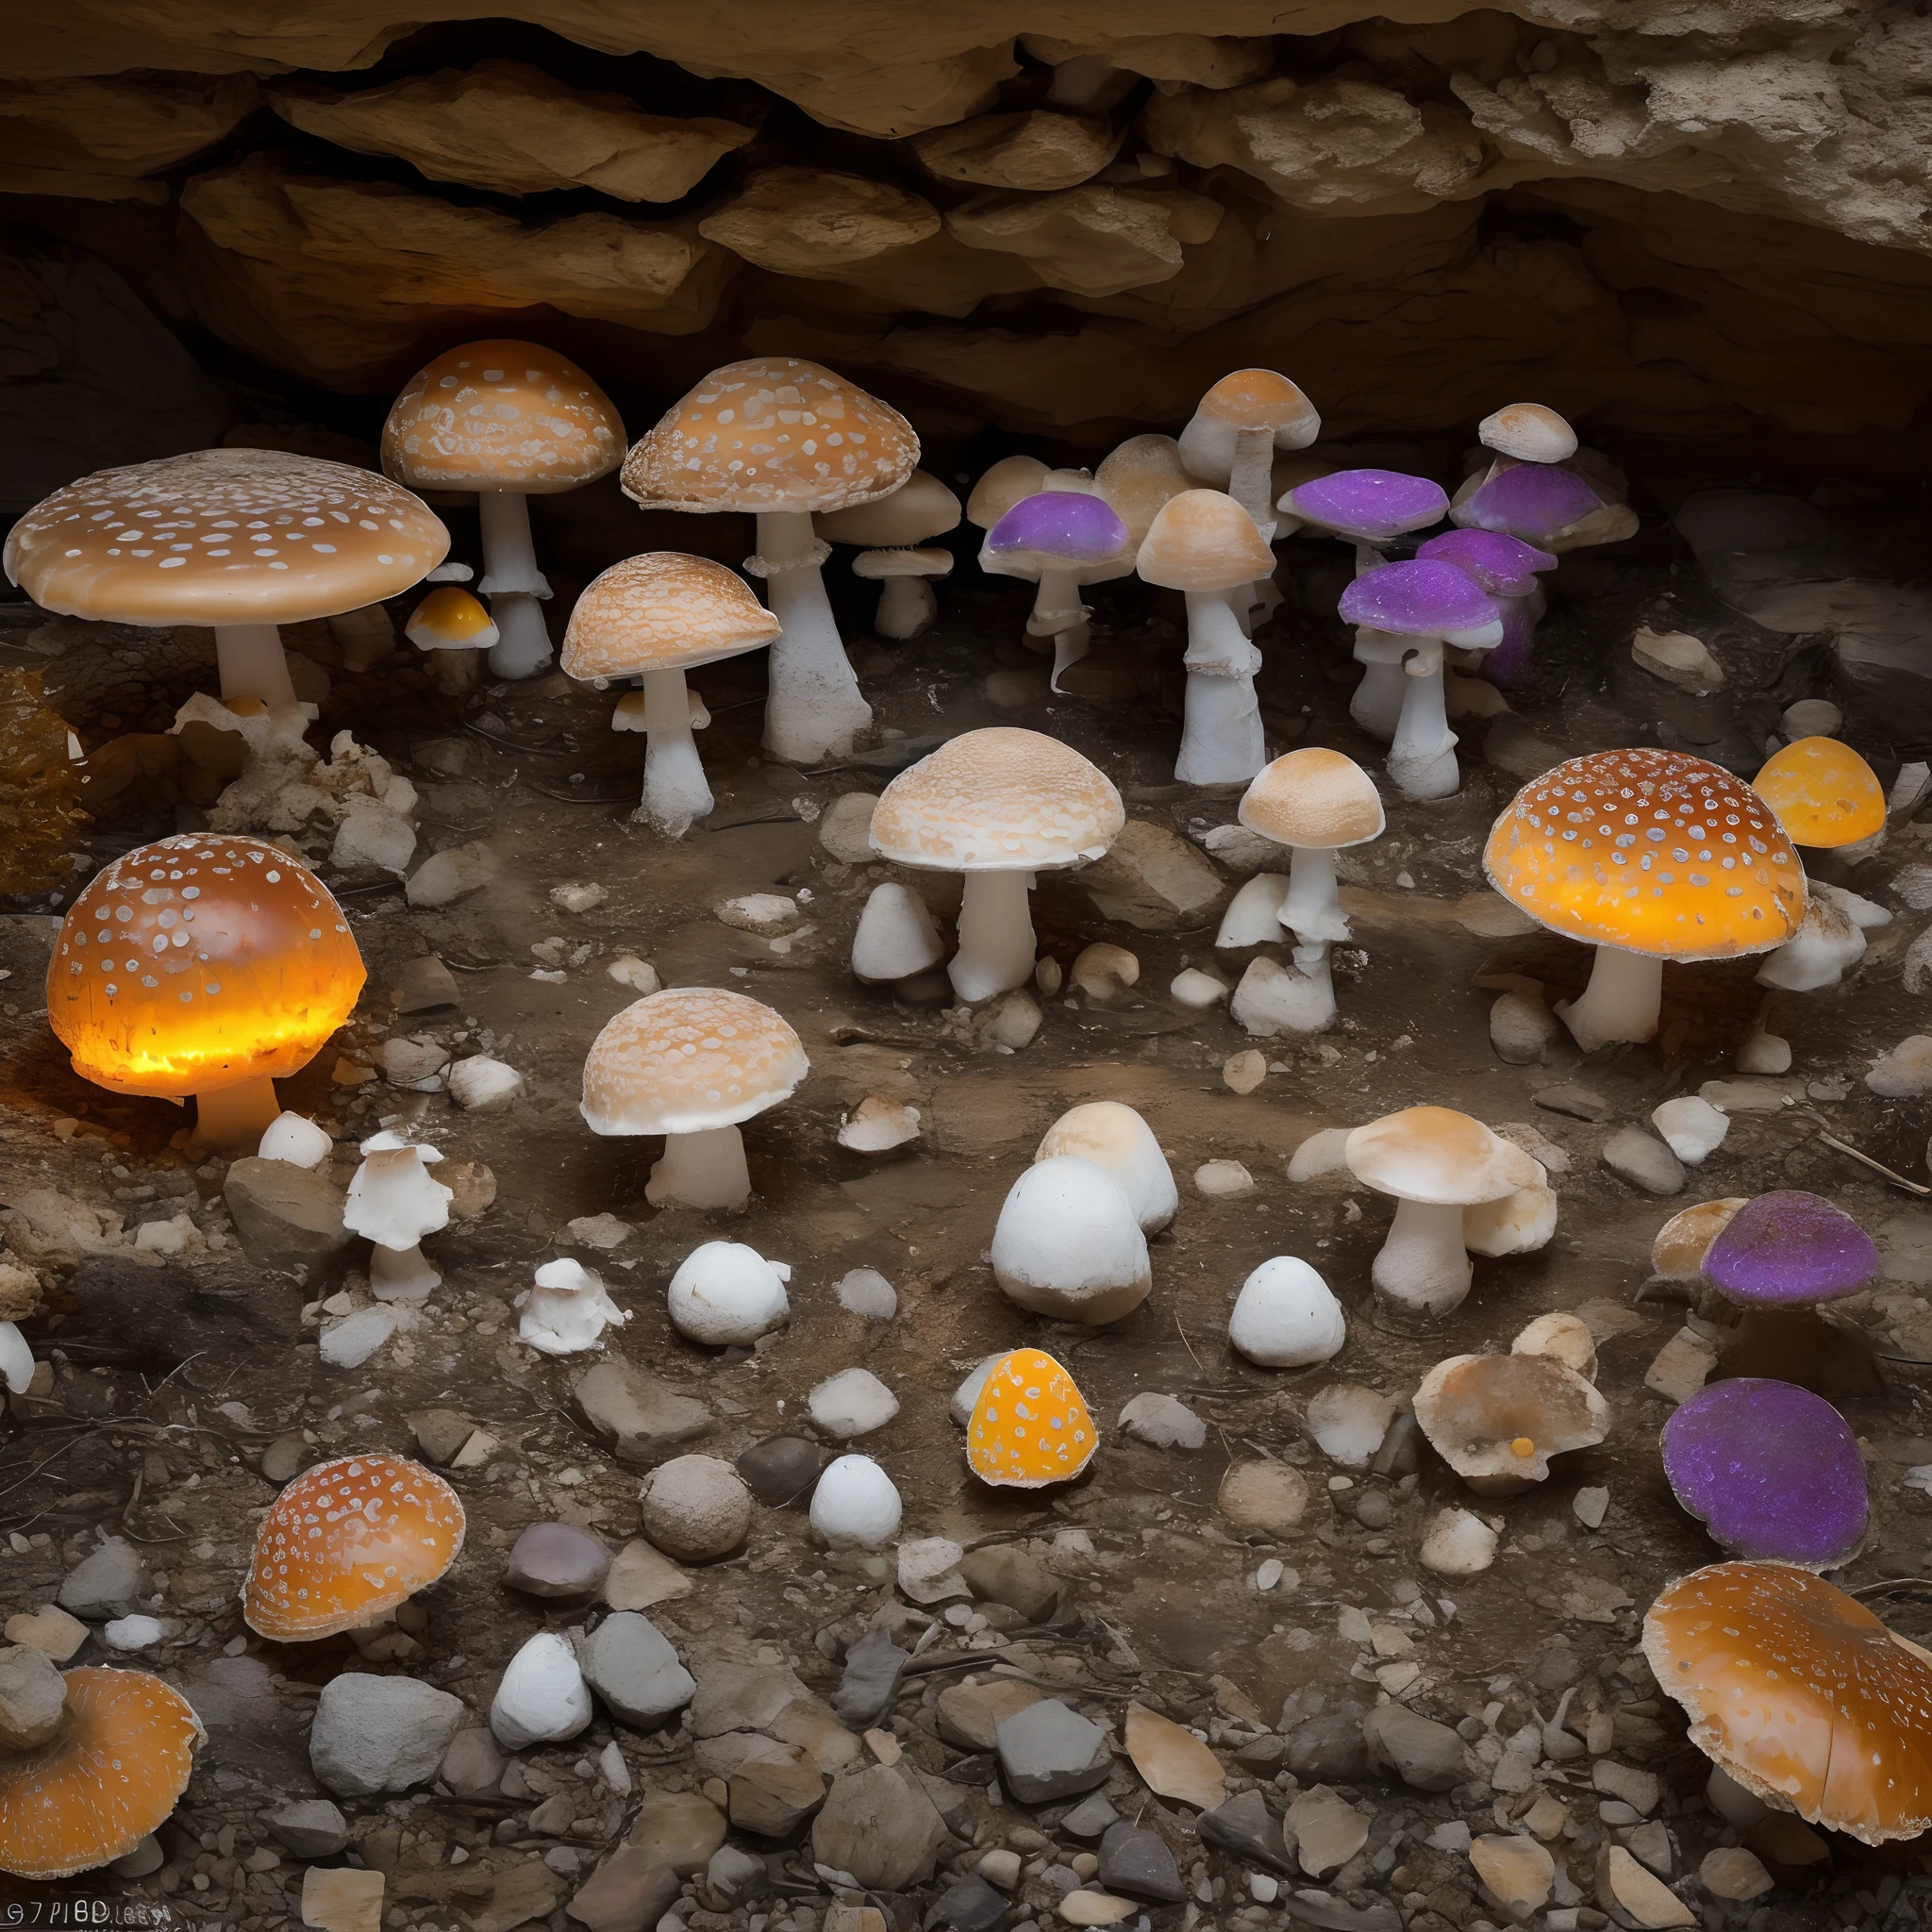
(1063,539)
(1505,568)
(1533,500)
(1771,1470)
(1788,1250)
(1369,505)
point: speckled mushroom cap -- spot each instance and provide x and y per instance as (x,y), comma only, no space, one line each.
(998,800)
(1138,476)
(1771,1470)
(502,415)
(1437,1154)
(1420,599)
(1504,1416)
(111,1774)
(1824,795)
(1203,539)
(1371,506)
(223,535)
(199,962)
(1801,1695)
(1502,565)
(1313,797)
(1651,850)
(773,433)
(1529,432)
(1533,500)
(689,1059)
(921,507)
(662,611)
(1790,1249)
(346,1541)
(1262,399)
(1030,1425)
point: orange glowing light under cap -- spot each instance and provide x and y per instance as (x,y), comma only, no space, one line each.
(1030,1425)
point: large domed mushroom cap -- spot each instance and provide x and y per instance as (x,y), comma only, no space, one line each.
(1314,798)
(1435,1154)
(502,415)
(1371,506)
(1201,540)
(1530,432)
(1652,852)
(689,1059)
(660,611)
(197,962)
(1790,1249)
(1824,795)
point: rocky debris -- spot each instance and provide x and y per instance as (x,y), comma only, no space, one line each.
(879,1826)
(439,1433)
(1152,879)
(696,1509)
(473,1766)
(49,1629)
(734,1877)
(641,1577)
(450,874)
(1222,1180)
(1245,1827)
(969,1715)
(969,1904)
(641,1417)
(309,1827)
(1424,1754)
(1049,1752)
(851,1403)
(866,1292)
(774,1788)
(1347,1422)
(878,1125)
(845,827)
(481,1085)
(1172,1761)
(1694,1127)
(1682,1366)
(1162,1422)
(631,1666)
(105,1583)
(629,1892)
(1086,1908)
(32,1697)
(1516,1874)
(1522,1030)
(555,1560)
(337,1898)
(1330,1746)
(873,1669)
(1578,1103)
(1731,1871)
(1639,1790)
(541,1698)
(1262,1494)
(681,1829)
(289,1218)
(1136,1862)
(380,1734)
(766,914)
(781,1468)
(1635,1896)
(1677,658)
(1005,1574)
(1329,1831)
(350,1342)
(1644,1161)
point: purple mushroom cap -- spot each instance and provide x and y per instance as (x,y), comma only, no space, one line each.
(1504,566)
(1772,1470)
(1789,1249)
(1063,528)
(1533,500)
(1426,600)
(1371,506)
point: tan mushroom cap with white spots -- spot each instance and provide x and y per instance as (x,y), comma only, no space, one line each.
(223,535)
(1203,539)
(1313,797)
(1435,1154)
(773,433)
(664,611)
(1490,1416)
(998,800)
(502,415)
(689,1059)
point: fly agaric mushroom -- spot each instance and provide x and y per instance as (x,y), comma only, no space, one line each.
(1139,476)
(393,1201)
(1030,1425)
(511,421)
(345,1543)
(1790,1250)
(1060,540)
(691,1063)
(567,1310)
(1203,542)
(1435,1162)
(1647,856)
(1122,1145)
(888,532)
(1772,1470)
(1236,429)
(1068,1246)
(206,965)
(111,1774)
(449,619)
(1430,605)
(1503,568)
(1799,1694)
(243,539)
(1496,1419)
(783,439)
(657,616)
(998,804)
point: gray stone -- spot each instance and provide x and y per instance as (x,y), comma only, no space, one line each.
(1644,1161)
(781,1469)
(287,1216)
(969,1904)
(422,984)
(441,1432)
(696,1509)
(1152,879)
(774,1788)
(1165,1421)
(380,1734)
(1577,1103)
(638,1415)
(1522,1029)
(1005,1574)
(555,1559)
(32,1696)
(1136,1863)
(450,874)
(628,1892)
(106,1583)
(286,1457)
(1092,1817)
(472,1765)
(1049,1751)
(734,1877)
(630,1664)
(1330,1748)
(867,1292)
(879,1826)
(1417,1749)
(551,1818)
(309,1827)
(1245,1827)
(870,1681)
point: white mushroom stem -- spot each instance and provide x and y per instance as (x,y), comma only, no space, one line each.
(1620,1003)
(1421,758)
(513,584)
(1250,477)
(1058,613)
(1423,1268)
(1317,1003)
(1221,741)
(1376,705)
(813,707)
(674,788)
(907,605)
(401,1275)
(701,1169)
(1312,909)
(236,1116)
(996,944)
(253,663)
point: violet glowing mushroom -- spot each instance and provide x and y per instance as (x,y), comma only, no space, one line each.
(1061,539)
(1772,1470)
(1536,501)
(1790,1250)
(1504,568)
(1428,606)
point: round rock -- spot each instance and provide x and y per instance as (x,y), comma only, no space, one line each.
(696,1509)
(554,1560)
(781,1469)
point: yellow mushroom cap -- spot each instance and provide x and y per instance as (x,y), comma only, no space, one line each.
(1203,539)
(1030,1425)
(1823,793)
(1654,852)
(1529,432)
(688,1059)
(450,618)
(660,612)
(1313,797)
(1261,399)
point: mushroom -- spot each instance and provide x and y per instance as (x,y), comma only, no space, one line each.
(1286,1316)
(511,421)
(1030,1425)
(111,1774)
(691,1063)
(1236,429)
(1496,1419)
(1122,1145)
(449,619)
(1068,1246)
(345,1543)
(1436,1162)
(568,1310)
(1503,568)
(243,539)
(1061,539)
(201,965)
(657,616)
(782,440)
(855,1504)
(393,1201)
(998,804)
(1790,1250)
(1007,482)
(1772,1470)
(1436,605)
(1677,1253)
(1518,1223)
(907,604)
(888,531)
(1139,476)
(1528,432)
(1799,1694)
(896,938)
(727,1295)
(1203,542)
(1648,856)
(1536,501)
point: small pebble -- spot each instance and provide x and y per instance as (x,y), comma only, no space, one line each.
(1223,1179)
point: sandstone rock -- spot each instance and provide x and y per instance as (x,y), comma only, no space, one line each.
(678,1828)
(628,1892)
(337,1898)
(1328,1830)
(1005,1574)
(879,1826)
(1637,1896)
(774,1789)
(1732,1872)
(309,1827)
(472,1765)
(1152,879)
(640,1416)
(811,223)
(1518,1872)
(1090,240)
(32,1697)
(696,1509)
(1173,1762)
(639,1577)
(1164,1422)
(1036,151)
(1260,1493)
(450,874)
(287,1216)
(99,136)
(1679,659)
(969,1715)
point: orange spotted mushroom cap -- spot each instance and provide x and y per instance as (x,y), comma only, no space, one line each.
(1652,852)
(688,1059)
(110,1776)
(1030,1425)
(450,618)
(1823,793)
(345,1543)
(1801,1695)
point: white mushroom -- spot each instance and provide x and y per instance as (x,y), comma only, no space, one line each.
(1069,1245)
(1122,1145)
(16,1359)
(296,1139)
(393,1201)
(890,528)
(568,1309)
(1286,1317)
(727,1294)
(1831,939)
(896,937)
(855,1505)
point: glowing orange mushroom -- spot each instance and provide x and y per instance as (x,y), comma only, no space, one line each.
(1824,795)
(1030,1425)
(206,964)
(347,1542)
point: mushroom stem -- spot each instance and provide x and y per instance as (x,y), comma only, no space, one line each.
(1312,909)
(1506,664)
(1315,1006)
(996,944)
(813,707)
(523,639)
(1423,1269)
(674,788)
(907,605)
(1249,477)
(253,663)
(1222,742)
(236,1116)
(1069,647)
(1421,758)
(513,584)
(1620,1003)
(702,1169)
(401,1275)
(1058,613)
